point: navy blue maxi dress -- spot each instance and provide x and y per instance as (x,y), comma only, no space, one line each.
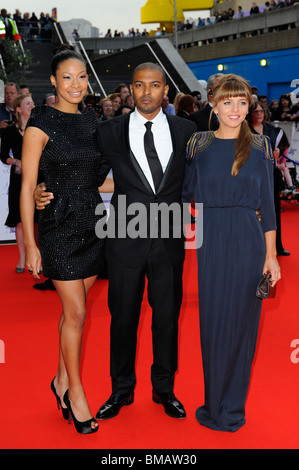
(230,264)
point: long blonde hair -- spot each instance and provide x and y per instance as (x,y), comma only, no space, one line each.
(229,86)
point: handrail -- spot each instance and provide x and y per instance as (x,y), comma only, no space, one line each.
(92,68)
(2,65)
(78,50)
(57,32)
(162,66)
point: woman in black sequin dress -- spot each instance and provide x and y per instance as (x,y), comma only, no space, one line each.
(62,141)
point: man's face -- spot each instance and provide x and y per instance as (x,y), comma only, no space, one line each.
(124,92)
(165,102)
(148,89)
(9,95)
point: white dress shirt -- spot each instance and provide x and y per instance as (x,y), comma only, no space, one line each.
(162,140)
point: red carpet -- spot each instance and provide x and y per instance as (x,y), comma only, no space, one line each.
(29,418)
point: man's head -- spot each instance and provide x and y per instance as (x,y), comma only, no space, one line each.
(212,83)
(11,91)
(148,89)
(123,90)
(165,102)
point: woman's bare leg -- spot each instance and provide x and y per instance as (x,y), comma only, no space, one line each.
(61,381)
(73,296)
(21,246)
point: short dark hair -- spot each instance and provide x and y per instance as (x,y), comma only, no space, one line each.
(152,66)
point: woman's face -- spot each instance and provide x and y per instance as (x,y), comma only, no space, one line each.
(232,112)
(130,101)
(107,108)
(284,102)
(258,115)
(116,103)
(25,107)
(71,82)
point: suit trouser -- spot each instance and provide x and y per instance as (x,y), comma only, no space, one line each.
(277,204)
(126,289)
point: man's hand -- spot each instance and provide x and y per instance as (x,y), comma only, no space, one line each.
(4,124)
(41,197)
(276,153)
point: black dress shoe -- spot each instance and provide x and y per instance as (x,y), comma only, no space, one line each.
(46,285)
(171,404)
(283,253)
(114,403)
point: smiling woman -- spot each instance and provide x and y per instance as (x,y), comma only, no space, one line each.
(230,171)
(62,142)
(70,80)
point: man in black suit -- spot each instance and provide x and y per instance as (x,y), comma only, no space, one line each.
(126,144)
(131,260)
(205,119)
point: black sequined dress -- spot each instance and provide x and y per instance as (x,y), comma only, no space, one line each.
(70,164)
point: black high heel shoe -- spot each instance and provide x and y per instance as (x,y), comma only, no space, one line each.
(65,411)
(82,427)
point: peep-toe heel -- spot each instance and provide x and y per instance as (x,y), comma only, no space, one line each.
(82,427)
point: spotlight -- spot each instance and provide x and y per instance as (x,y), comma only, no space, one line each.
(264,62)
(220,67)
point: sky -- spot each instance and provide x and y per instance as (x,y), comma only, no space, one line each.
(103,14)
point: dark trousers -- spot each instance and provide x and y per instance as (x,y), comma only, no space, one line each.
(277,203)
(126,289)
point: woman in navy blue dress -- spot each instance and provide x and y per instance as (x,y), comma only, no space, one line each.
(230,171)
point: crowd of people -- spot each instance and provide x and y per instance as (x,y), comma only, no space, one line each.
(30,26)
(218,17)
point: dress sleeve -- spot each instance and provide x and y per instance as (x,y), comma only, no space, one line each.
(38,118)
(104,167)
(189,182)
(267,189)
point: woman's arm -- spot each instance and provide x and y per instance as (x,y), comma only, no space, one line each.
(33,143)
(271,264)
(107,186)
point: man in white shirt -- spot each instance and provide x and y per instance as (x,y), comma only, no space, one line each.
(124,142)
(167,107)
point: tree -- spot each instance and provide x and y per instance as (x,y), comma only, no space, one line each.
(16,63)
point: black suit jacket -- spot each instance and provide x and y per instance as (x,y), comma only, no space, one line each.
(201,119)
(132,185)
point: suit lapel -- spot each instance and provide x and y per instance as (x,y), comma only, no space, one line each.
(174,135)
(131,155)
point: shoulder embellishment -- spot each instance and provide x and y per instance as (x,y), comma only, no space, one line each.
(199,142)
(262,143)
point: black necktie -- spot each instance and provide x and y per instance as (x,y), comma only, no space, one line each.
(152,156)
